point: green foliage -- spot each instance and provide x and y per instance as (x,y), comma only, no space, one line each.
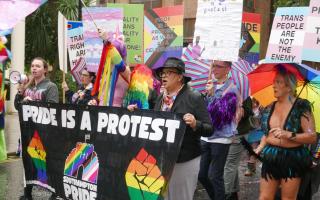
(58,80)
(70,8)
(42,35)
(289,3)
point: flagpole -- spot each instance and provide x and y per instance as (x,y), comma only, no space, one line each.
(80,11)
(89,14)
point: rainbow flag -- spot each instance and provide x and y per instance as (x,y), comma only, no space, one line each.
(3,52)
(163,34)
(38,156)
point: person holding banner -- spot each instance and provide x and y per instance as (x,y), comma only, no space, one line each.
(288,125)
(83,96)
(224,106)
(38,88)
(178,97)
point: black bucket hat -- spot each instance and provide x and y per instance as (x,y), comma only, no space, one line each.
(176,63)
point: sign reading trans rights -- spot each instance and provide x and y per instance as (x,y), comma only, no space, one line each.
(88,153)
(287,35)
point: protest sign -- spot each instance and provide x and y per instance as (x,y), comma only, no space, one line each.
(62,42)
(163,34)
(77,69)
(250,38)
(311,45)
(132,30)
(89,152)
(218,24)
(287,35)
(75,42)
(107,19)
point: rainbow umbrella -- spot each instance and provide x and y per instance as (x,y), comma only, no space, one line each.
(198,70)
(261,81)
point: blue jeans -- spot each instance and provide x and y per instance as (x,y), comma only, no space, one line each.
(213,159)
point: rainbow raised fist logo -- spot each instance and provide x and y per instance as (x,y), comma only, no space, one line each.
(81,173)
(143,177)
(38,155)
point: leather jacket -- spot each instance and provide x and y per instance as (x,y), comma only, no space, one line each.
(190,101)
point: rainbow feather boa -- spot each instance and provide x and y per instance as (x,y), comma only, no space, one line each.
(140,85)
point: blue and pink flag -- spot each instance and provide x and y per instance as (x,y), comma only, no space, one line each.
(108,19)
(311,45)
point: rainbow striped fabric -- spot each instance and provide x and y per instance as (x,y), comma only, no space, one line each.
(143,177)
(38,155)
(111,64)
(83,157)
(140,83)
(198,70)
(3,52)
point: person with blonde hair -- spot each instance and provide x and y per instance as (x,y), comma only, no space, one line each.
(288,125)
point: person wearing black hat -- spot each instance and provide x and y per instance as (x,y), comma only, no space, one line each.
(180,98)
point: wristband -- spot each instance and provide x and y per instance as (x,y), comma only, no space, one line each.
(293,135)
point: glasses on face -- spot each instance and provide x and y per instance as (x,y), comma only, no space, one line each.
(166,73)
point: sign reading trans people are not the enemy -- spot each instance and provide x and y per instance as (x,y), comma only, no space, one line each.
(287,35)
(88,152)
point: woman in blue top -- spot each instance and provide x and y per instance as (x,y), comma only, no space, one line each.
(288,125)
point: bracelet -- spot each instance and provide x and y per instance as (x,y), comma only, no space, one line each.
(293,135)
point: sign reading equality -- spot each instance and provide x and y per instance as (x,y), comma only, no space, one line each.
(89,152)
(132,30)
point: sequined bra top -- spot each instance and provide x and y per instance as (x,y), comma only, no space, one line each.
(293,121)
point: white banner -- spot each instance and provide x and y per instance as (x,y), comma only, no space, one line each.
(62,42)
(218,25)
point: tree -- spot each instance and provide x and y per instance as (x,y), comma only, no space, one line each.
(41,34)
(289,3)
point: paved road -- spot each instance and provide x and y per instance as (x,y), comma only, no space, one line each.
(11,184)
(11,173)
